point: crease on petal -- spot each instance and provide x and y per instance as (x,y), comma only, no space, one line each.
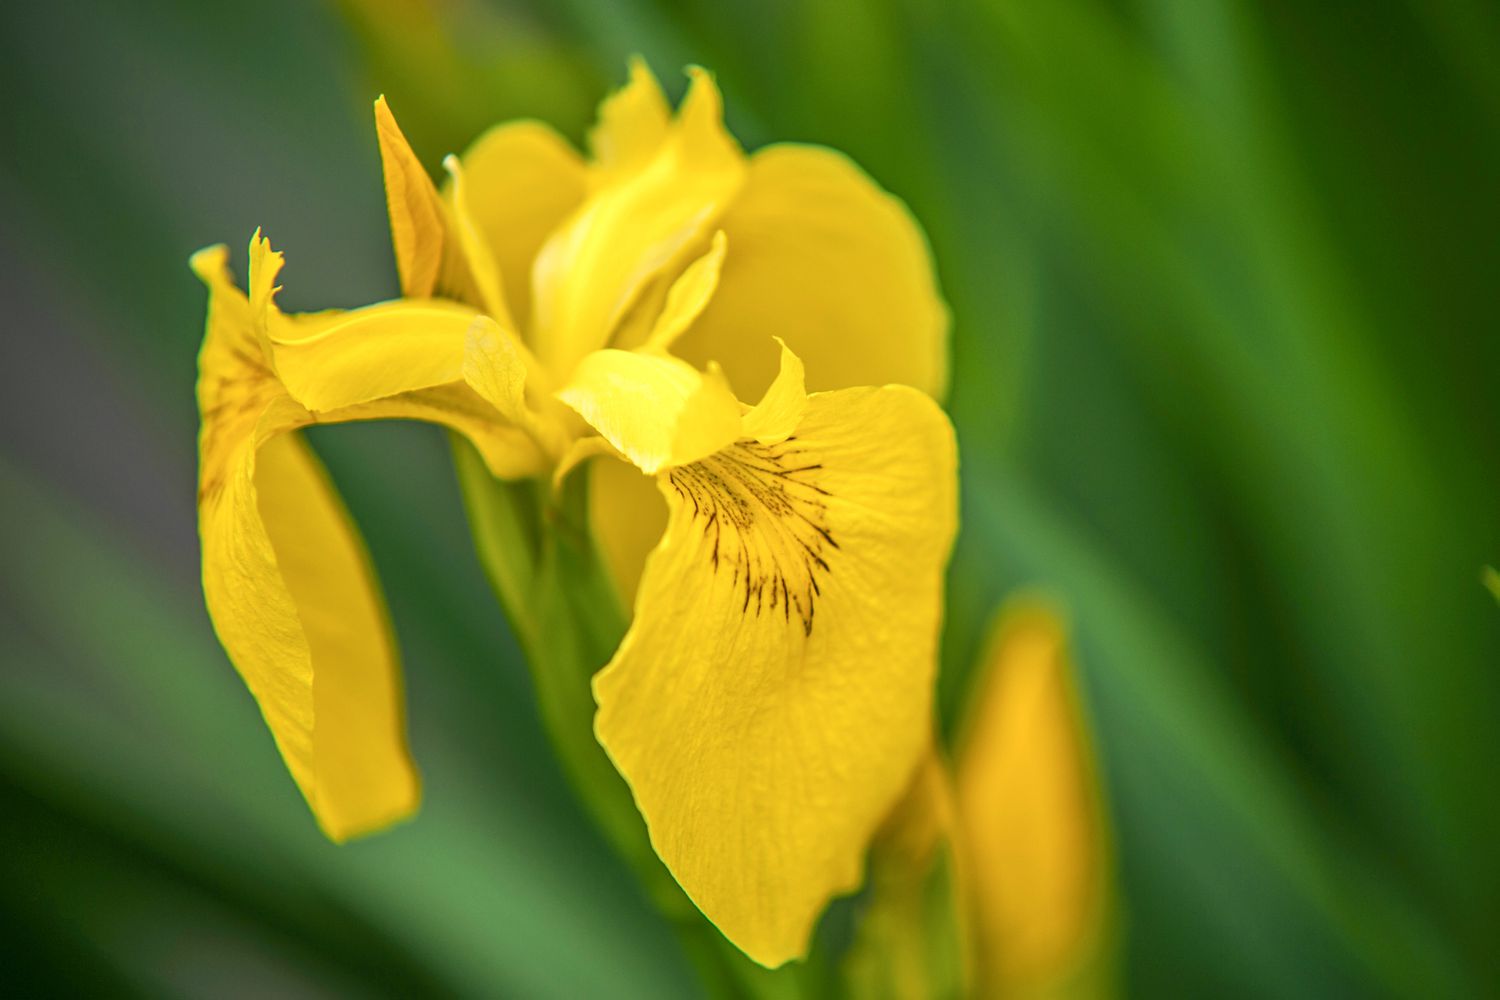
(767,743)
(1029,807)
(364,776)
(656,410)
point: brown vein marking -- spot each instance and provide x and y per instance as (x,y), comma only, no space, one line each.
(766,522)
(234,391)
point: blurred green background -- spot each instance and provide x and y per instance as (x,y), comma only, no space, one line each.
(1226,378)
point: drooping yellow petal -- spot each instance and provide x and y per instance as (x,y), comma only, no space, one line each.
(429,256)
(331,360)
(774,693)
(658,411)
(286,579)
(824,258)
(364,777)
(633,225)
(1030,811)
(521,180)
(288,585)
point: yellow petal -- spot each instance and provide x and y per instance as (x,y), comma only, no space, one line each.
(508,451)
(658,411)
(821,256)
(498,367)
(289,588)
(336,359)
(286,579)
(626,511)
(399,360)
(495,366)
(781,408)
(476,250)
(521,181)
(632,124)
(633,225)
(363,778)
(774,693)
(627,515)
(1029,808)
(429,257)
(688,295)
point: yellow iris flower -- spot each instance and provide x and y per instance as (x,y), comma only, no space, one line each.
(773,694)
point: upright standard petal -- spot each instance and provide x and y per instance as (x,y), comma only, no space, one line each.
(1029,809)
(821,256)
(765,743)
(633,123)
(288,585)
(521,180)
(633,225)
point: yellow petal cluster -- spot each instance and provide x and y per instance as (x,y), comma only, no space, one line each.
(773,695)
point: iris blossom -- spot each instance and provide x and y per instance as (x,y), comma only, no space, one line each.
(773,695)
